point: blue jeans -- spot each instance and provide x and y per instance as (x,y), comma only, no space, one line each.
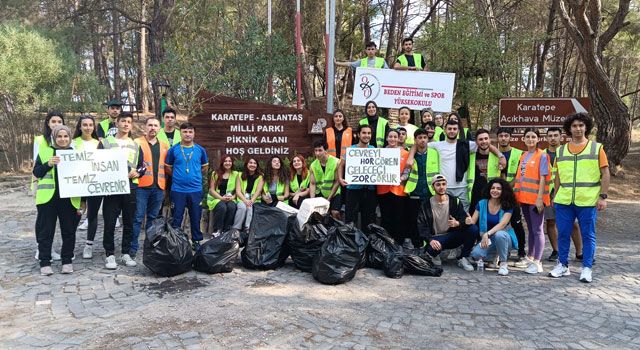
(565,216)
(191,201)
(500,245)
(453,239)
(148,202)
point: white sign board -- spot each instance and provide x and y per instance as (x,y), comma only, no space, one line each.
(99,172)
(372,166)
(391,88)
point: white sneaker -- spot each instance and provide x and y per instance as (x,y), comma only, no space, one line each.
(215,233)
(585,276)
(84,225)
(559,270)
(523,262)
(503,270)
(67,269)
(126,259)
(55,256)
(464,263)
(453,254)
(46,271)
(436,260)
(534,267)
(118,222)
(110,262)
(87,253)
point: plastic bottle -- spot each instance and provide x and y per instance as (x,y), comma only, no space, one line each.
(481,266)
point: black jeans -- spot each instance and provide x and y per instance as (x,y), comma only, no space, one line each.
(411,215)
(223,215)
(453,239)
(393,211)
(62,210)
(516,223)
(111,208)
(93,206)
(361,201)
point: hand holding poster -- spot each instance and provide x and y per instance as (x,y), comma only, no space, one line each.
(396,88)
(372,166)
(92,173)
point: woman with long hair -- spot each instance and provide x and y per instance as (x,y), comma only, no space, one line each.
(248,189)
(339,136)
(51,207)
(298,181)
(492,215)
(86,138)
(531,187)
(276,182)
(222,195)
(404,116)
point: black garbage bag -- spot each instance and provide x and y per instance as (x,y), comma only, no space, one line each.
(218,254)
(341,255)
(394,265)
(421,265)
(265,248)
(381,245)
(167,251)
(237,235)
(305,243)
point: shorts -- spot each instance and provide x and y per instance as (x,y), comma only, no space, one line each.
(549,212)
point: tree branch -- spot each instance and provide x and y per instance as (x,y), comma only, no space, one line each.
(123,31)
(431,11)
(630,93)
(615,26)
(569,25)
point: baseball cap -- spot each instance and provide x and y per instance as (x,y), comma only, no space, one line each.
(438,177)
(114,102)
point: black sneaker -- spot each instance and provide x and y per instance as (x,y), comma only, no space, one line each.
(579,257)
(553,256)
(195,245)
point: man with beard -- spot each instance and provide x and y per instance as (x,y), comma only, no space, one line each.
(487,167)
(430,128)
(108,126)
(410,60)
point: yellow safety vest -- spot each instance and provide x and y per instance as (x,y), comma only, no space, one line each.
(325,179)
(380,128)
(378,64)
(231,188)
(432,168)
(279,188)
(417,59)
(244,184)
(78,144)
(47,184)
(162,136)
(131,147)
(579,176)
(294,186)
(493,167)
(514,161)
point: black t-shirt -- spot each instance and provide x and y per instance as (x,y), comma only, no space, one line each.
(250,182)
(170,136)
(222,186)
(412,63)
(155,158)
(506,154)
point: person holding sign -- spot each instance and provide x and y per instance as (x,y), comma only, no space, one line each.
(86,138)
(248,189)
(115,204)
(371,61)
(51,207)
(298,181)
(276,182)
(187,163)
(361,199)
(323,180)
(404,114)
(442,224)
(152,184)
(379,126)
(222,196)
(410,60)
(339,136)
(108,126)
(532,192)
(492,215)
(169,134)
(392,199)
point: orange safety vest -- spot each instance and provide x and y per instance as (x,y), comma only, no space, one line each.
(146,180)
(398,190)
(526,187)
(347,139)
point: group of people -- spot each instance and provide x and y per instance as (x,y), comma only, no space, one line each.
(454,194)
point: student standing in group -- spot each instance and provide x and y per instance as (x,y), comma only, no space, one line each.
(52,120)
(248,189)
(152,184)
(51,207)
(392,199)
(426,115)
(361,199)
(339,136)
(170,134)
(86,138)
(108,127)
(442,224)
(512,156)
(531,188)
(581,183)
(404,115)
(463,132)
(323,181)
(371,61)
(430,128)
(187,163)
(222,195)
(276,182)
(115,204)
(379,126)
(487,167)
(438,119)
(298,181)
(410,60)
(554,135)
(492,214)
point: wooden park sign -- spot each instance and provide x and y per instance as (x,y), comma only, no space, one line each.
(522,112)
(241,128)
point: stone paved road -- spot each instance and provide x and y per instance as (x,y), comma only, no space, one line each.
(286,308)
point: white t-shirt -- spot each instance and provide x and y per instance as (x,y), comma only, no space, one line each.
(447,152)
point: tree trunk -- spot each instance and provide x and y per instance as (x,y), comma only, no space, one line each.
(143,79)
(540,71)
(365,22)
(117,50)
(396,8)
(159,27)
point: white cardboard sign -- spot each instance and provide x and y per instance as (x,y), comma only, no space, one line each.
(86,173)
